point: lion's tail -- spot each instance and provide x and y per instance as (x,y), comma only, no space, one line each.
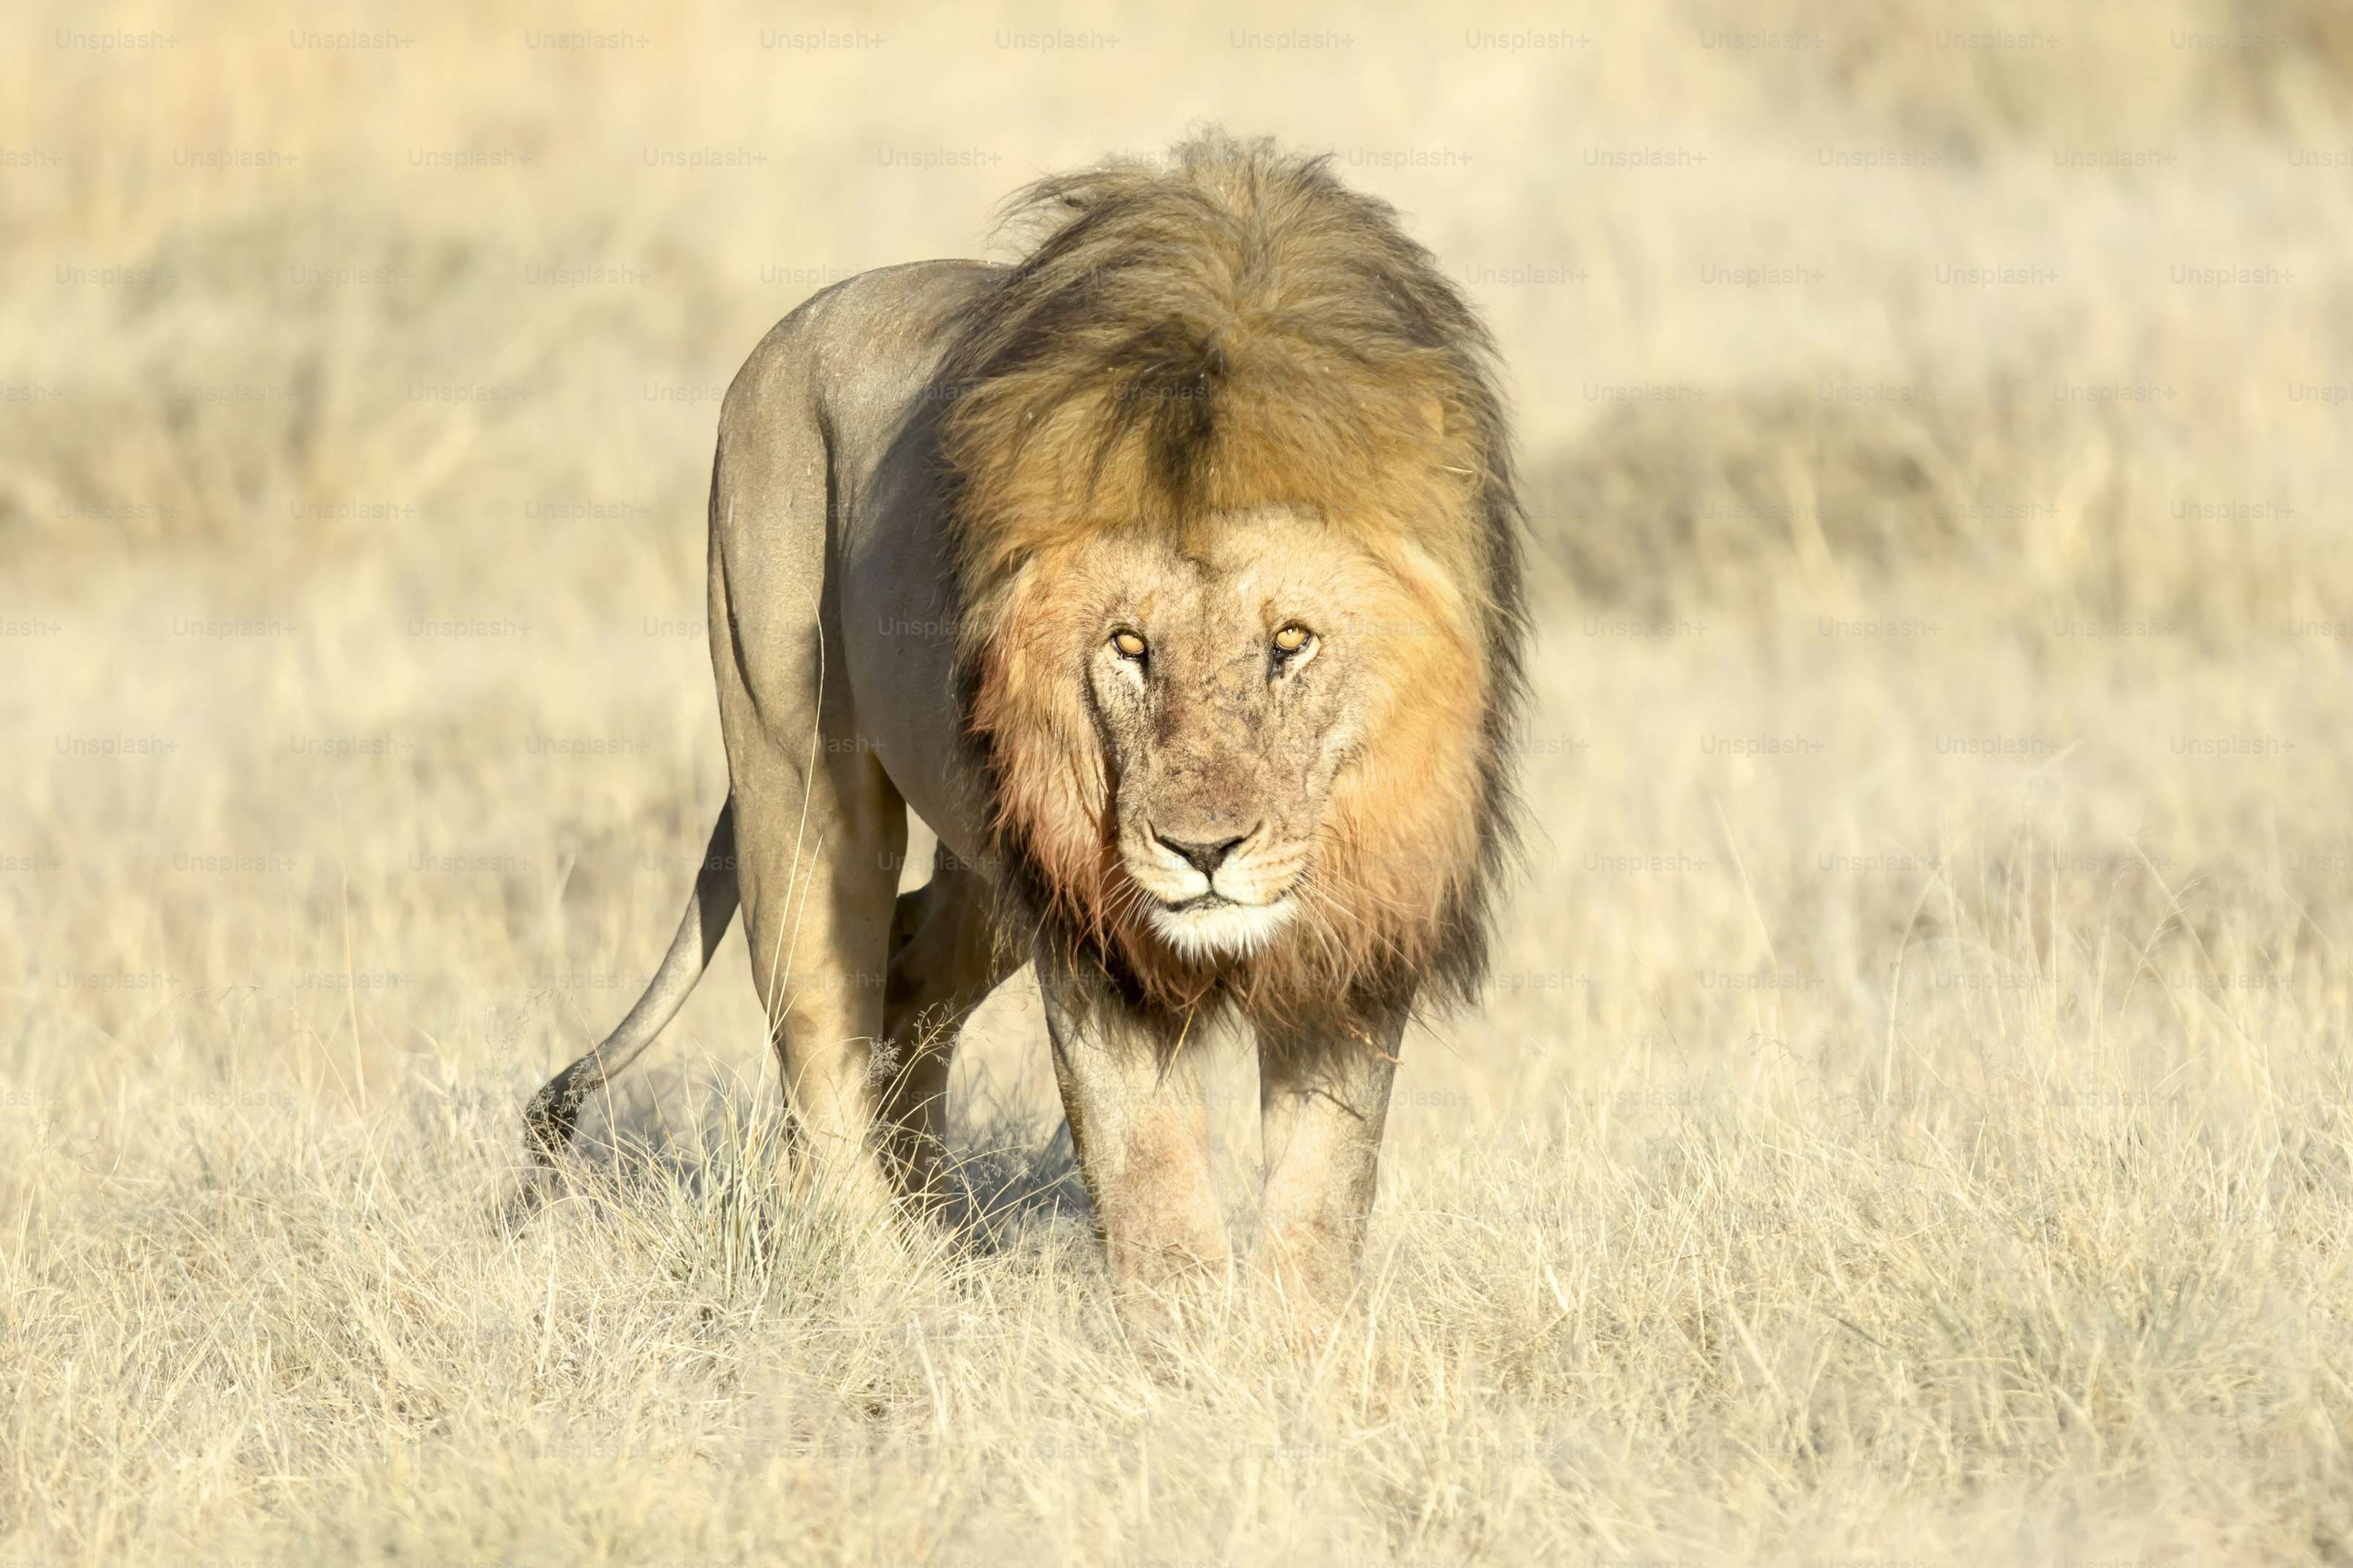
(556,1109)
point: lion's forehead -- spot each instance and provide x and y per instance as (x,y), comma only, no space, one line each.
(1242,578)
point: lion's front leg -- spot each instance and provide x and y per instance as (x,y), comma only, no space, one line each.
(1322,1105)
(1142,1133)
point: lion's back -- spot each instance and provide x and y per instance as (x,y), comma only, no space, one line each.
(854,357)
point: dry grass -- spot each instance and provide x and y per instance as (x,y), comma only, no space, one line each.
(1873,1149)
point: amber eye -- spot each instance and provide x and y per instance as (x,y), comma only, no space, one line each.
(1130,646)
(1291,639)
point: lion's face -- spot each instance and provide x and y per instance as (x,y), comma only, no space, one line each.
(1226,686)
(1229,707)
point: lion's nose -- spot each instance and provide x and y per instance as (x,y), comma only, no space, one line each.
(1204,857)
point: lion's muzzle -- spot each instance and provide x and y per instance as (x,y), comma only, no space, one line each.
(1216,896)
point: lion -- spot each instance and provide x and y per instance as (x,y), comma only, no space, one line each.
(1172,576)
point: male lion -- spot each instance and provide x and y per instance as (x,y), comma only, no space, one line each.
(1173,577)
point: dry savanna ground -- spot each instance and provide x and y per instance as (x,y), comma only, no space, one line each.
(1909,1122)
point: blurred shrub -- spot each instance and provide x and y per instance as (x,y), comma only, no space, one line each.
(1776,497)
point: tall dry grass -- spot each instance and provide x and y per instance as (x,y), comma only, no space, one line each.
(1909,1122)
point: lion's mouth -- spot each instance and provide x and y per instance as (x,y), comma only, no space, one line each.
(1211,925)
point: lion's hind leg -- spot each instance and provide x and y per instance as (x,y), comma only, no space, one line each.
(945,959)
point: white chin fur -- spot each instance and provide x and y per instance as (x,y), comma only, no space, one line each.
(1222,930)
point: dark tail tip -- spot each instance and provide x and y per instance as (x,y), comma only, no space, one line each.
(551,1118)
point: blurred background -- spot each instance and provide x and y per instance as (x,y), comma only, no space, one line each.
(1934,421)
(1888,380)
(361,371)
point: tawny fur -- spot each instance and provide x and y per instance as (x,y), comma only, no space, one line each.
(1226,397)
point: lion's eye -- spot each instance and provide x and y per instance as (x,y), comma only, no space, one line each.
(1291,639)
(1130,646)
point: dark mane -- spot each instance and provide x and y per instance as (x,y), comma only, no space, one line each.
(1232,330)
